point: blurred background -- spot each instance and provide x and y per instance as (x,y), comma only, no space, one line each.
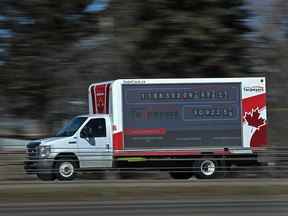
(50,51)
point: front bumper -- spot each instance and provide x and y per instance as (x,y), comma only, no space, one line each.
(38,166)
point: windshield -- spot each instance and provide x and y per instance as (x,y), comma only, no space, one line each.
(71,128)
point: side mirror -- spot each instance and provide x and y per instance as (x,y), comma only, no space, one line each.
(86,133)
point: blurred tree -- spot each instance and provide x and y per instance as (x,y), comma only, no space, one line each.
(41,29)
(274,39)
(272,50)
(56,48)
(184,38)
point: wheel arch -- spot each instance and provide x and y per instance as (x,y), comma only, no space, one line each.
(69,155)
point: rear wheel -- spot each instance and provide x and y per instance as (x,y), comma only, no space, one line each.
(66,169)
(180,175)
(209,168)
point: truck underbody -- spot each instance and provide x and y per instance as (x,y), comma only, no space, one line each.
(205,166)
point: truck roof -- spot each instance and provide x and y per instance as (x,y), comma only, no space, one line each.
(177,80)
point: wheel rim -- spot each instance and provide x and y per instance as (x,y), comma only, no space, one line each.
(208,167)
(66,169)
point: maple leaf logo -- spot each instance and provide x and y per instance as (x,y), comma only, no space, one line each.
(253,118)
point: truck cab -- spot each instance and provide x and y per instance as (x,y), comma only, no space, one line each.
(83,143)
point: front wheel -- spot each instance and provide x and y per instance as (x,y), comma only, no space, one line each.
(208,168)
(66,170)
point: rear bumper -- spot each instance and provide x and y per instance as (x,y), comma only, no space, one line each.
(38,166)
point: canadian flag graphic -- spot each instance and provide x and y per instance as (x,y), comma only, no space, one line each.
(255,128)
(254,121)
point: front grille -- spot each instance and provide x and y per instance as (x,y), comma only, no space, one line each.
(33,150)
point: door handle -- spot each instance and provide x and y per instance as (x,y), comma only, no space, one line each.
(72,142)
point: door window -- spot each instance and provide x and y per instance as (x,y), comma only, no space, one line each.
(96,128)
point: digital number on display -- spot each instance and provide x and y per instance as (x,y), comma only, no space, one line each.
(189,95)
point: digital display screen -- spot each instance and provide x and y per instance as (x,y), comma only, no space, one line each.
(165,116)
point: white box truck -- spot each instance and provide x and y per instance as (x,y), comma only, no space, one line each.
(185,126)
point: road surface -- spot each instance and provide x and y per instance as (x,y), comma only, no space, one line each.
(151,208)
(35,183)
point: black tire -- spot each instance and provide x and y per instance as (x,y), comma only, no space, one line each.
(209,168)
(180,175)
(46,176)
(66,169)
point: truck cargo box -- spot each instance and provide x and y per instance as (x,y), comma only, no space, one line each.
(156,115)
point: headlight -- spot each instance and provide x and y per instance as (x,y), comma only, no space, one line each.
(44,151)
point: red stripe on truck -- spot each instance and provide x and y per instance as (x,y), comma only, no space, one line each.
(145,131)
(156,153)
(118,141)
(167,153)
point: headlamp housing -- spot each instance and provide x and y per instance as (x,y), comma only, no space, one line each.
(44,151)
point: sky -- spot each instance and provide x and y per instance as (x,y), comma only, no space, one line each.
(5,33)
(100,5)
(262,7)
(97,6)
(256,21)
(3,18)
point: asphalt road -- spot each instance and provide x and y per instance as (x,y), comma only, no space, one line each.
(144,183)
(151,208)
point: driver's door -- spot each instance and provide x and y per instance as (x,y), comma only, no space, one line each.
(94,144)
